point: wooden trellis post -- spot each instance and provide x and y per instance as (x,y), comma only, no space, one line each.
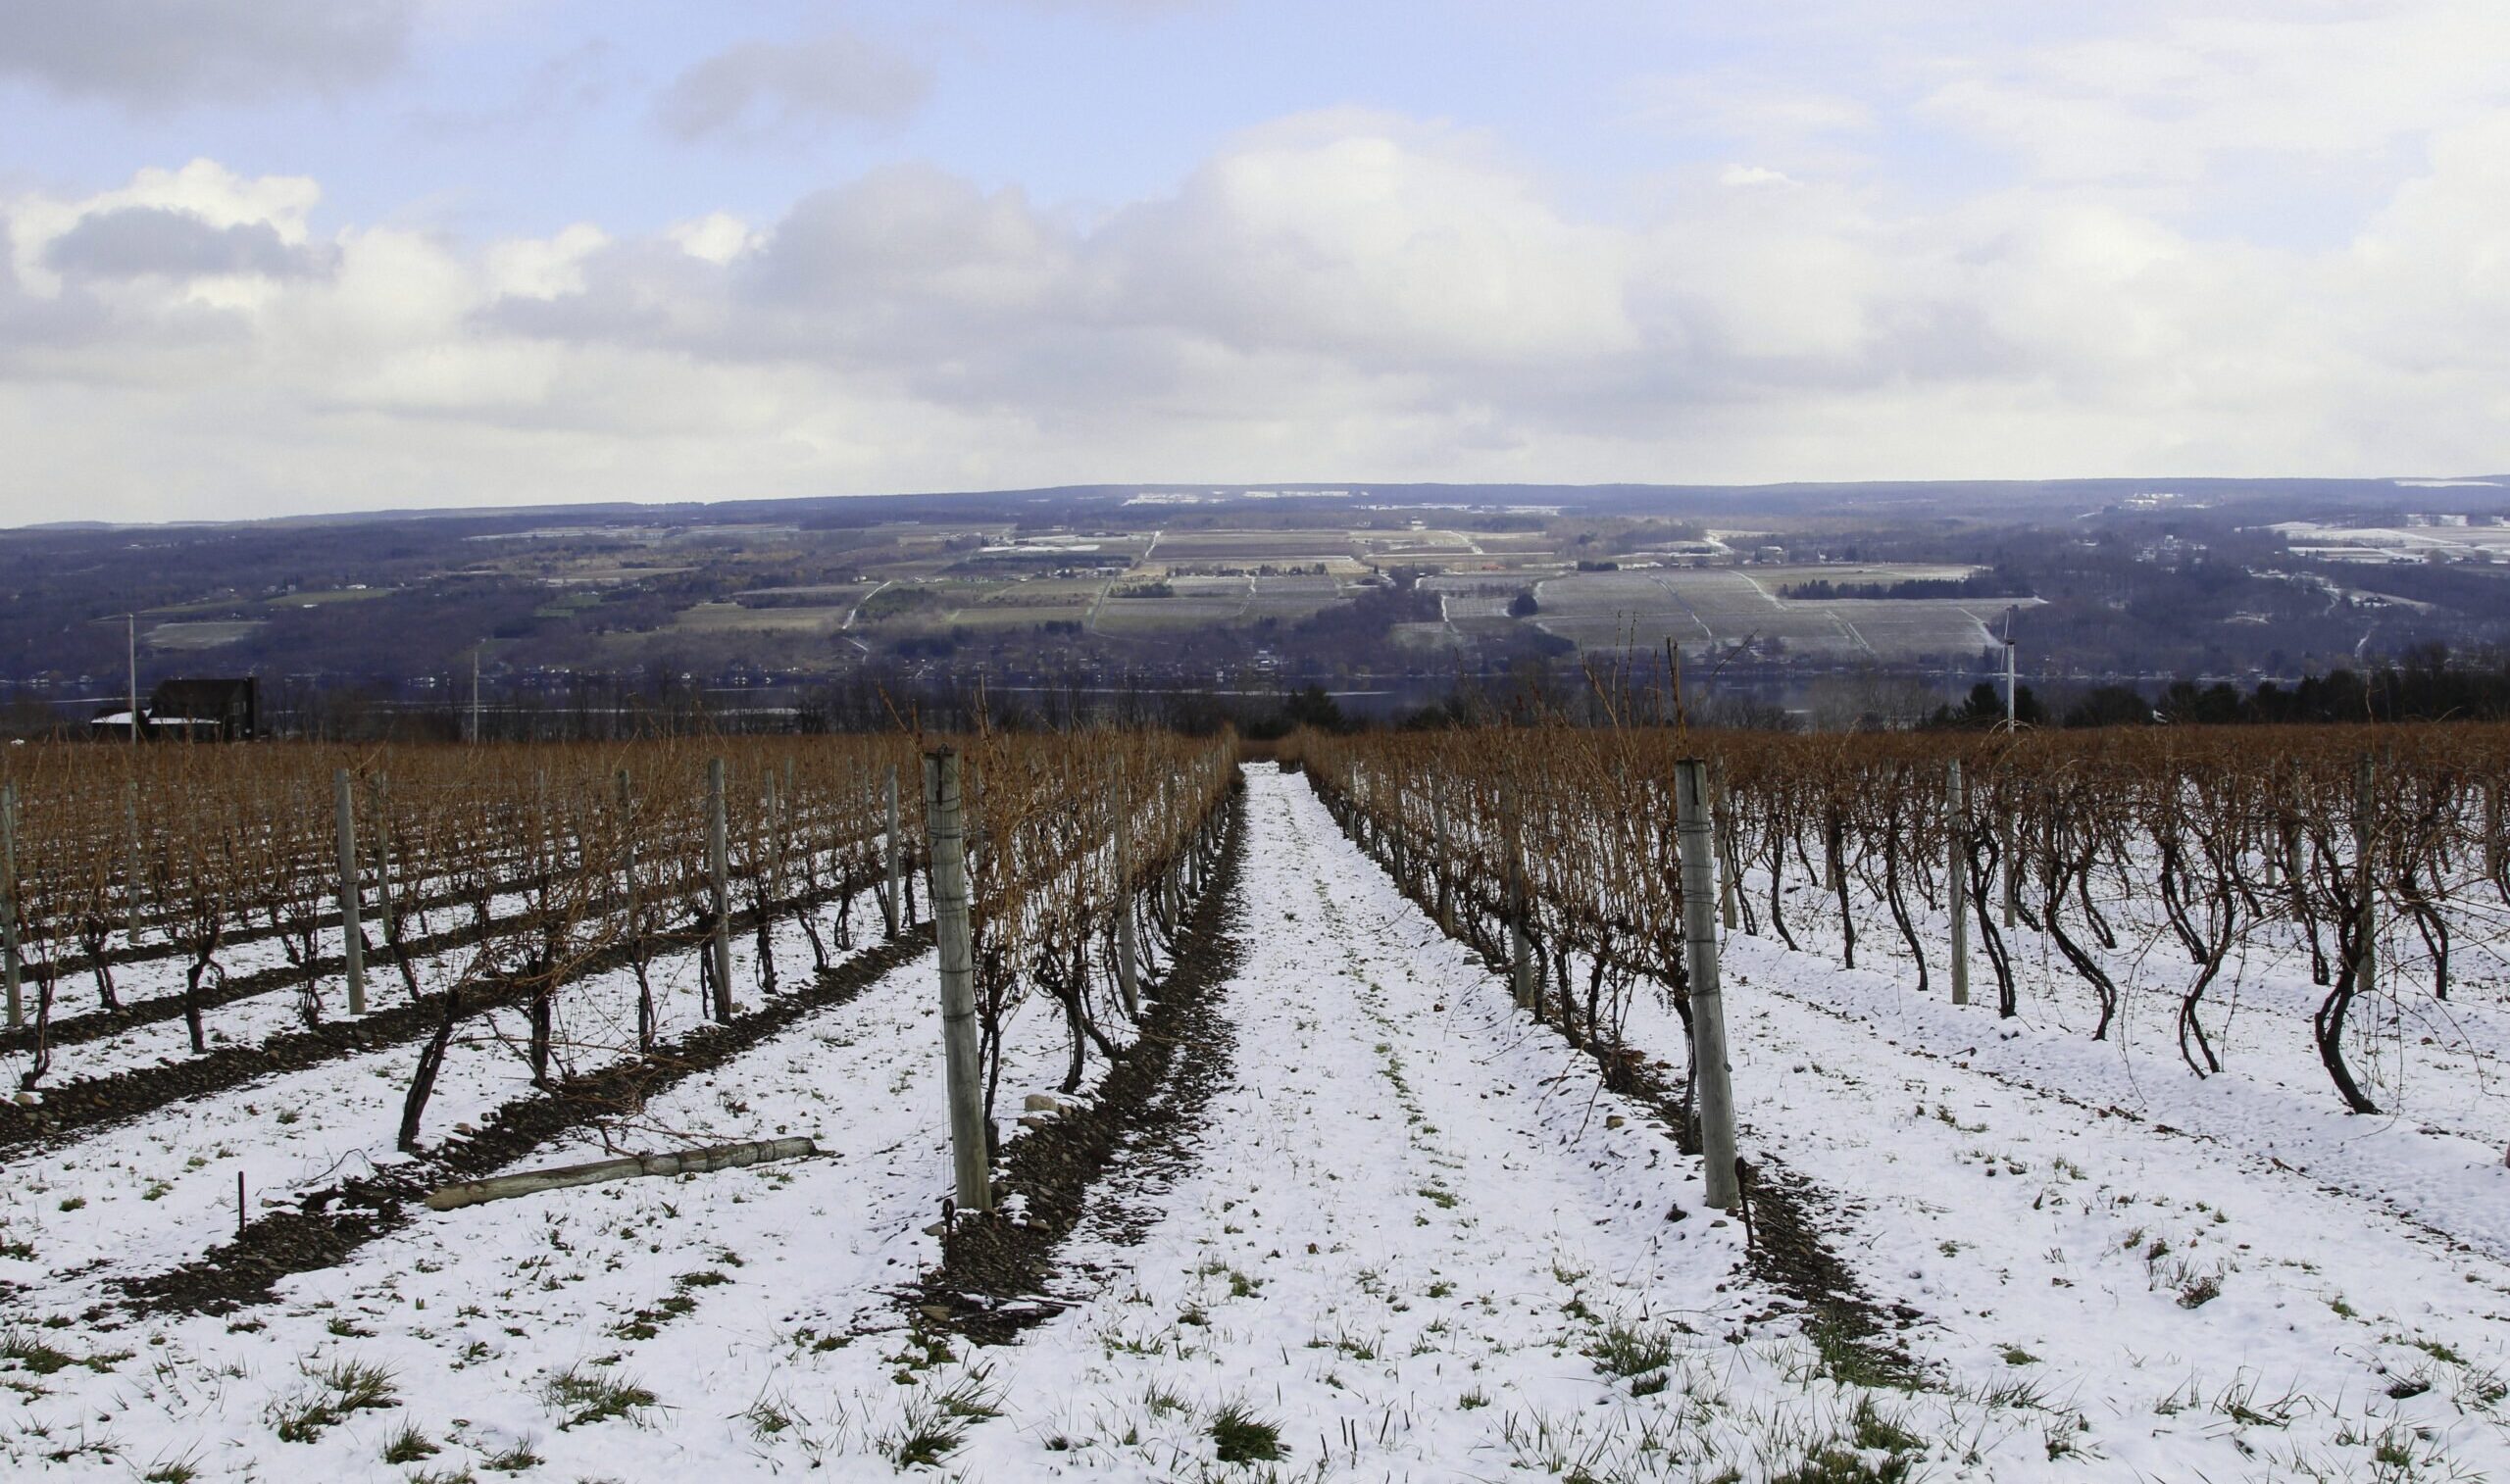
(892,904)
(131,862)
(12,965)
(1440,866)
(2492,829)
(1127,967)
(944,821)
(1957,872)
(2012,861)
(1696,828)
(718,872)
(1728,909)
(1519,942)
(378,803)
(2366,777)
(352,936)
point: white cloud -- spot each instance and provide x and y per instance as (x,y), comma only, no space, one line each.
(762,89)
(154,53)
(1335,296)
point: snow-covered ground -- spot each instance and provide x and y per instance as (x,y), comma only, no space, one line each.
(1413,1239)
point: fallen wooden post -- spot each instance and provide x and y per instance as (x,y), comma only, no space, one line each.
(690,1162)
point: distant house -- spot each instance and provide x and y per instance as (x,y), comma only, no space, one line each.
(198,710)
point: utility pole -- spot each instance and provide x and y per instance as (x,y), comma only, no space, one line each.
(945,831)
(132,635)
(1707,1000)
(474,694)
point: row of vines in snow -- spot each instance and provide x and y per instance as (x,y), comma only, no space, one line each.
(1082,851)
(486,878)
(2376,857)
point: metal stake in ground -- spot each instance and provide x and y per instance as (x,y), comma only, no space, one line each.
(1707,1000)
(352,937)
(944,828)
(1956,814)
(720,887)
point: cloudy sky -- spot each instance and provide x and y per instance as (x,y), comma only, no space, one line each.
(273,256)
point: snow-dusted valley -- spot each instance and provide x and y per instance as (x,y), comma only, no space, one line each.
(1344,1211)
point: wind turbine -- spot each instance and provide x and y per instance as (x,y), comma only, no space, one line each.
(2011,723)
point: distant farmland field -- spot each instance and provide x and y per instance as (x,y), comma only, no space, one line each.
(1725,605)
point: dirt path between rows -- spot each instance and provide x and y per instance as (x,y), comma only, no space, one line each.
(997,1277)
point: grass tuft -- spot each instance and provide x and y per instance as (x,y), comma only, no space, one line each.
(338,1389)
(1240,1436)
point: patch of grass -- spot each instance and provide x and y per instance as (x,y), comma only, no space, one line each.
(580,1396)
(2239,1401)
(1238,1436)
(935,1425)
(2015,1355)
(1632,1350)
(969,1399)
(33,1353)
(1849,1360)
(514,1459)
(338,1389)
(1871,1430)
(175,1472)
(408,1445)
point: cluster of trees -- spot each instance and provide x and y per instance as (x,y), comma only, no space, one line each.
(2427,685)
(1986,584)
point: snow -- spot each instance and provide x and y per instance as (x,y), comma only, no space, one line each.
(1412,1234)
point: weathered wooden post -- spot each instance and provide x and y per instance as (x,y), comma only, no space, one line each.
(1956,811)
(352,936)
(1519,942)
(2012,863)
(890,900)
(1726,906)
(130,861)
(11,965)
(1441,866)
(2492,829)
(944,827)
(2366,777)
(378,798)
(1128,966)
(718,872)
(1695,829)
